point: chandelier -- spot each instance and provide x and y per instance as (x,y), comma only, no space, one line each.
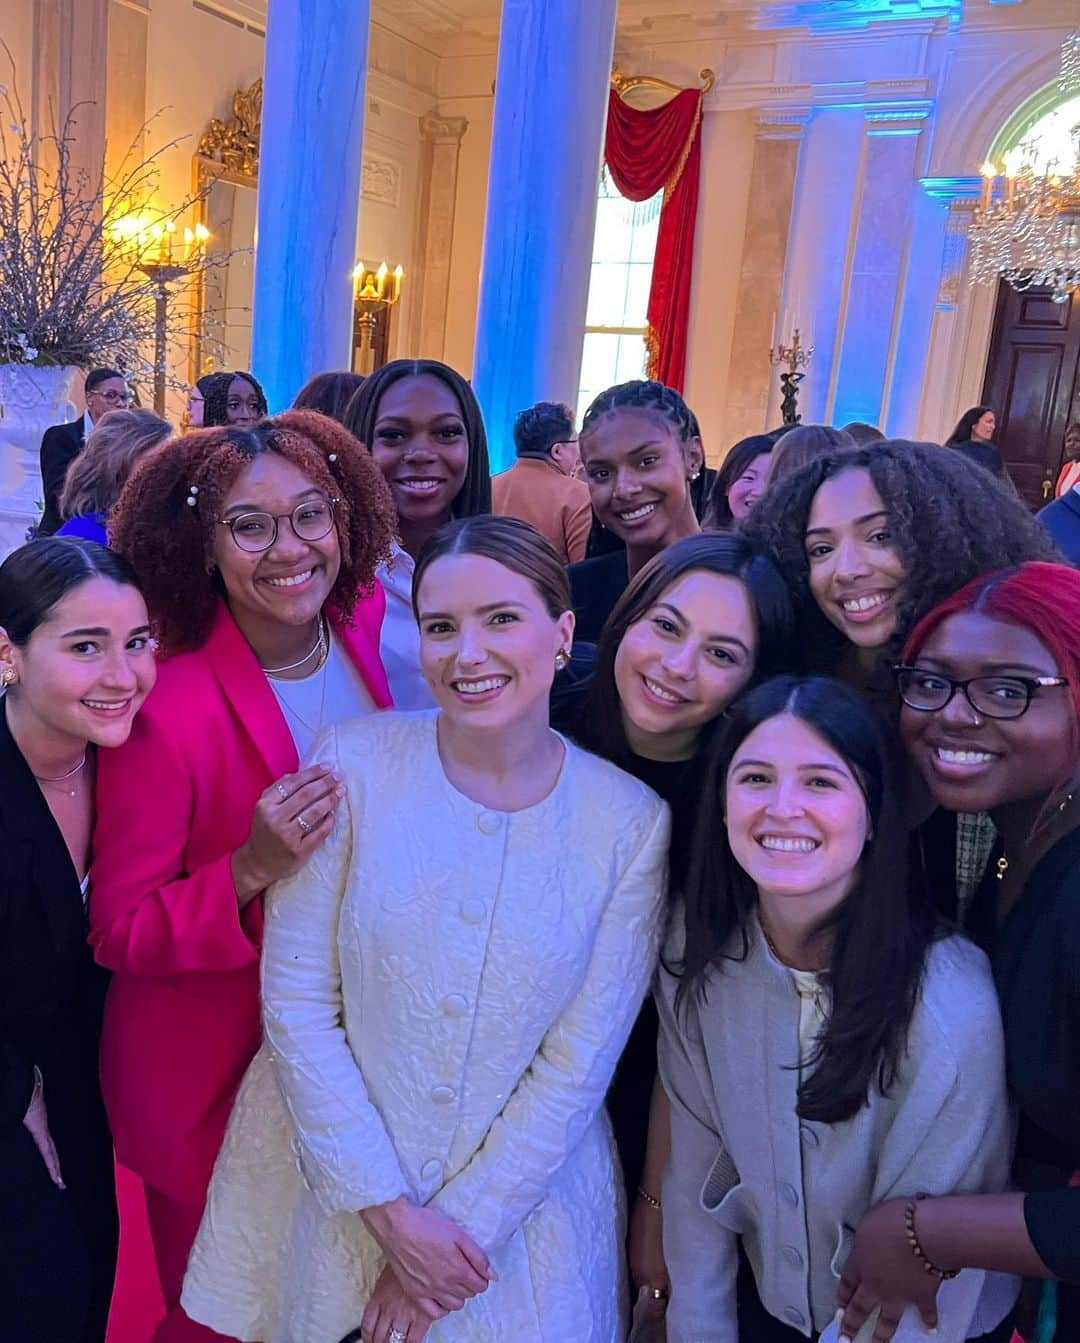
(1026,227)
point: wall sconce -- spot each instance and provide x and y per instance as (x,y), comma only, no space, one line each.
(375,291)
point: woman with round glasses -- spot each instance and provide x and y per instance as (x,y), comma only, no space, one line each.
(991,716)
(256,550)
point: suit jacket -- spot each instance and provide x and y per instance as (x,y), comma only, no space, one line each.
(174,802)
(60,445)
(57,1250)
(557,505)
(1061,518)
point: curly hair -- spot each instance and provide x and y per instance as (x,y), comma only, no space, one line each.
(170,541)
(950,523)
(538,429)
(474,497)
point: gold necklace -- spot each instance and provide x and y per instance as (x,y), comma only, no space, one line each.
(1002,864)
(63,778)
(320,646)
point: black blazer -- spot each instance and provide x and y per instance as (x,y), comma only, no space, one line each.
(57,1247)
(60,445)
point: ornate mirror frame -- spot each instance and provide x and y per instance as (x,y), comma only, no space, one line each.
(228,151)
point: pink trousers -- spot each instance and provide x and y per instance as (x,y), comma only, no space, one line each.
(172,1229)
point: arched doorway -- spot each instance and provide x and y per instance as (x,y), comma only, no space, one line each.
(1032,376)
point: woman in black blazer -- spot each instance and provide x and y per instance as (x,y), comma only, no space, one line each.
(76,662)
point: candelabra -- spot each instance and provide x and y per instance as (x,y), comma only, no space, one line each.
(797,358)
(375,293)
(161,274)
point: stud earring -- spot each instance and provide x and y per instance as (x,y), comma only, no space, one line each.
(562,659)
(9,677)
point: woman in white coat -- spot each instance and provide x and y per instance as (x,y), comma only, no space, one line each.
(447,986)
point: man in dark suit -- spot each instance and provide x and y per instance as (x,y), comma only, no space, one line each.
(1062,520)
(105,390)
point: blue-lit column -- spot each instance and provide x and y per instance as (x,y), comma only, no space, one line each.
(550,112)
(879,253)
(310,156)
(930,293)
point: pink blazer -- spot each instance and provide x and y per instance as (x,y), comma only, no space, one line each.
(182,1013)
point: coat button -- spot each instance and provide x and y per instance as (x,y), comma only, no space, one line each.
(809,1137)
(473,911)
(454,1005)
(443,1095)
(792,1256)
(790,1195)
(794,1317)
(431,1170)
(490,822)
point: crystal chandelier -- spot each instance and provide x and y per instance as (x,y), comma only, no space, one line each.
(1026,227)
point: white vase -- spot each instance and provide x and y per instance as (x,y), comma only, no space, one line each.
(31,399)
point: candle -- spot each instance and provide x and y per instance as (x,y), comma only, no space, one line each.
(989,172)
(399,275)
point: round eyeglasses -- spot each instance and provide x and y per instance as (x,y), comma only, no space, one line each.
(310,521)
(992,696)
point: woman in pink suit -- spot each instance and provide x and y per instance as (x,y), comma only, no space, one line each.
(256,549)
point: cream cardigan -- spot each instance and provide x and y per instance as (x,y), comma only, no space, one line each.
(744,1165)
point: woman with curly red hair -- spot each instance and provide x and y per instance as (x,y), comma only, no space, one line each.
(990,684)
(256,549)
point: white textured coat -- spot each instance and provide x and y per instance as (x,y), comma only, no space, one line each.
(446,990)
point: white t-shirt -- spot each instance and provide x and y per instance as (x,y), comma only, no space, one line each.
(334,692)
(399,642)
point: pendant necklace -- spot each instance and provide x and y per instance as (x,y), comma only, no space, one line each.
(1002,864)
(63,778)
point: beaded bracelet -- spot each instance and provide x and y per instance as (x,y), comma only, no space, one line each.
(652,1202)
(942,1274)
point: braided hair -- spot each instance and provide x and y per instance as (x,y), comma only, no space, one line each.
(645,394)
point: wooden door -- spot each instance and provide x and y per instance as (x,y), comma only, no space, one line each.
(1033,384)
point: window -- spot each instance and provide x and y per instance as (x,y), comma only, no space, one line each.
(624,245)
(1053,136)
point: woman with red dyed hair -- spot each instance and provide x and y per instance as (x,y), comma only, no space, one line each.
(990,683)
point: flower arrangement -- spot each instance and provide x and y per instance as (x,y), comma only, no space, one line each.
(82,260)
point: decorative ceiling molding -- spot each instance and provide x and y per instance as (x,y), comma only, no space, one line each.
(845,15)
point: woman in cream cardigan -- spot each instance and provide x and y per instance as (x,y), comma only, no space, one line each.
(823,1043)
(447,986)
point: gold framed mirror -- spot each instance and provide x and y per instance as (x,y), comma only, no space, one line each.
(225,177)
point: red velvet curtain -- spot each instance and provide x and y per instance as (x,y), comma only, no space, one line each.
(644,151)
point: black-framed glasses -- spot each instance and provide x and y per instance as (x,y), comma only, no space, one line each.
(992,696)
(310,521)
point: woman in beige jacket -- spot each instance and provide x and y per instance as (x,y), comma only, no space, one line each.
(823,1043)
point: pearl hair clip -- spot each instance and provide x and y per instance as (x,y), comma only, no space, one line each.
(193,496)
(332,457)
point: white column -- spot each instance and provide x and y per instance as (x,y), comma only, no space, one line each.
(930,290)
(310,157)
(442,135)
(550,112)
